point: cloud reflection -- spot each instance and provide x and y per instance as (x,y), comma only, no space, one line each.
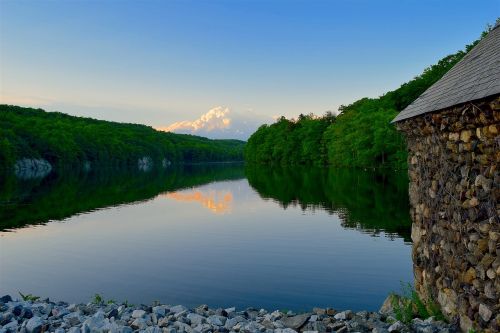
(217,201)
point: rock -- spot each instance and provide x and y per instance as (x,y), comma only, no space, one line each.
(330,311)
(27,313)
(153,329)
(196,319)
(231,322)
(485,312)
(344,315)
(396,327)
(169,330)
(313,318)
(319,311)
(284,330)
(160,311)
(138,313)
(6,299)
(178,308)
(139,324)
(295,322)
(74,329)
(379,330)
(216,320)
(230,310)
(34,325)
(112,314)
(10,327)
(387,307)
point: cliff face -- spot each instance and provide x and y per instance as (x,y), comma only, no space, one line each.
(453,166)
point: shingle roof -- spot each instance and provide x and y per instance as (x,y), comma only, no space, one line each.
(474,77)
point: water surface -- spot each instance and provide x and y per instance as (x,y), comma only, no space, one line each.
(221,235)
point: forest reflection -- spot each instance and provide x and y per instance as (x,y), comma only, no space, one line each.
(369,201)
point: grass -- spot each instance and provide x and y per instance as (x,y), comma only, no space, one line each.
(409,305)
(29,297)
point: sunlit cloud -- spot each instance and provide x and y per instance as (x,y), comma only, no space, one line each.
(217,201)
(221,123)
(215,118)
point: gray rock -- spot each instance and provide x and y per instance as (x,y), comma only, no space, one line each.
(295,322)
(485,312)
(6,299)
(59,330)
(153,329)
(230,310)
(397,327)
(160,311)
(313,318)
(169,330)
(138,313)
(6,318)
(34,325)
(231,322)
(178,308)
(216,320)
(11,327)
(74,329)
(284,330)
(379,330)
(196,319)
(139,324)
(344,315)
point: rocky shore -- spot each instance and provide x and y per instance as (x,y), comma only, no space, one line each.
(60,317)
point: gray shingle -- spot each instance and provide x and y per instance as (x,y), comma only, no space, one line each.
(474,77)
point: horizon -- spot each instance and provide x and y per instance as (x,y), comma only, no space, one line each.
(225,68)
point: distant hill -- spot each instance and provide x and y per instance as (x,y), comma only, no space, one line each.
(67,142)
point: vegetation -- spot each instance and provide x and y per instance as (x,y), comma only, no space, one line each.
(68,141)
(29,297)
(360,136)
(409,305)
(376,201)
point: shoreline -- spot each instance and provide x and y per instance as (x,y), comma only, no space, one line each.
(38,316)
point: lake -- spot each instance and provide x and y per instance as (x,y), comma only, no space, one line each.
(222,235)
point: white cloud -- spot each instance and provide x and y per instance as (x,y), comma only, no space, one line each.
(215,118)
(220,122)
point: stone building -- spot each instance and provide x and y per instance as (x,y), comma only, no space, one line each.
(453,166)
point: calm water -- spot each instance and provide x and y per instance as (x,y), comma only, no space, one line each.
(220,235)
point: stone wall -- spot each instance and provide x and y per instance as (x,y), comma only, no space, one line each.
(453,165)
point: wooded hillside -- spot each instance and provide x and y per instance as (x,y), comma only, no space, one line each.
(67,141)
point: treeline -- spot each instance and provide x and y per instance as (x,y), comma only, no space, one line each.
(360,136)
(67,141)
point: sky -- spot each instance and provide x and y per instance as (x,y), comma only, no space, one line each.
(221,68)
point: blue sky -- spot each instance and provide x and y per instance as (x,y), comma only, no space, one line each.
(164,62)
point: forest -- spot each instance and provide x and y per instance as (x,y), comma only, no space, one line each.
(67,141)
(359,135)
